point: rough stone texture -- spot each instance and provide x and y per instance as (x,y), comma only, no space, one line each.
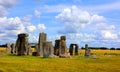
(29,50)
(76,49)
(47,49)
(8,48)
(62,49)
(63,38)
(22,44)
(87,51)
(56,48)
(72,48)
(42,38)
(13,49)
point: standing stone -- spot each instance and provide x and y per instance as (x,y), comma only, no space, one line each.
(13,48)
(42,38)
(8,48)
(56,48)
(22,44)
(62,50)
(47,49)
(72,48)
(87,51)
(76,49)
(63,38)
(29,50)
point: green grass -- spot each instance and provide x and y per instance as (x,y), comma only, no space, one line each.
(104,63)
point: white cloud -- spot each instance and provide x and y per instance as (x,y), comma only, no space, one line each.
(3,11)
(97,19)
(27,18)
(72,15)
(4,5)
(54,37)
(106,31)
(73,19)
(41,27)
(8,3)
(37,13)
(104,26)
(2,34)
(97,27)
(33,38)
(11,27)
(31,28)
(118,33)
(78,37)
(52,8)
(108,35)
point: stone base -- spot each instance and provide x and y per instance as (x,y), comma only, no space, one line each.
(21,54)
(92,56)
(65,56)
(34,53)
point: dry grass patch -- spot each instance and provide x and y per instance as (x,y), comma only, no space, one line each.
(105,63)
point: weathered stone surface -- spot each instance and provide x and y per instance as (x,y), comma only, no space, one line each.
(62,49)
(56,48)
(63,38)
(76,49)
(42,38)
(47,49)
(13,49)
(22,44)
(72,48)
(29,52)
(8,48)
(87,51)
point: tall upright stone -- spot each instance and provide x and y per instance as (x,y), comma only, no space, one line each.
(57,47)
(13,48)
(22,44)
(29,52)
(87,51)
(42,38)
(47,49)
(62,49)
(72,48)
(8,48)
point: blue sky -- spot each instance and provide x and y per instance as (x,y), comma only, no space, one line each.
(92,22)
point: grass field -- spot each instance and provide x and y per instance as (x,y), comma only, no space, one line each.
(106,61)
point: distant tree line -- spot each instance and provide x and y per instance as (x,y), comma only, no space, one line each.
(102,48)
(95,48)
(3,45)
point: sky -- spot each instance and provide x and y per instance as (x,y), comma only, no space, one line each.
(92,22)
